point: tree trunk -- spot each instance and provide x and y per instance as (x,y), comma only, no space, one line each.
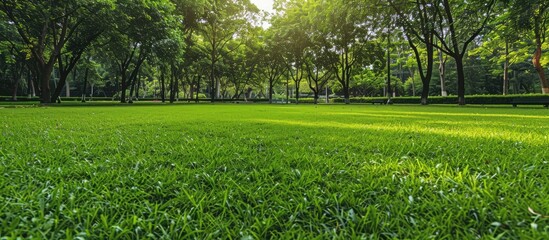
(442,72)
(506,69)
(296,93)
(134,77)
(413,83)
(64,72)
(218,93)
(45,78)
(177,92)
(248,94)
(191,89)
(162,86)
(270,91)
(389,89)
(85,85)
(426,80)
(539,68)
(172,93)
(174,85)
(132,88)
(30,85)
(175,88)
(460,79)
(198,87)
(17,74)
(67,88)
(60,85)
(425,94)
(123,88)
(346,94)
(138,85)
(213,58)
(327,98)
(212,86)
(116,85)
(14,89)
(144,87)
(36,85)
(287,91)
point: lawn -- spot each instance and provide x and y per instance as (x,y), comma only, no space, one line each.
(284,171)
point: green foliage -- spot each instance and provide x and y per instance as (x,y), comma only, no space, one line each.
(217,47)
(472,99)
(258,171)
(412,85)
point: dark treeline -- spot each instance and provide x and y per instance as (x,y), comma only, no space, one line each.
(229,49)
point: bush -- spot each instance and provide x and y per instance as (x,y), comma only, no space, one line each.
(473,99)
(19,99)
(306,100)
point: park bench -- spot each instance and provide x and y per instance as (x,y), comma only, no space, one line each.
(380,101)
(531,101)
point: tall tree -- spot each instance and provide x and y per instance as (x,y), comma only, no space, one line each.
(318,67)
(138,26)
(13,59)
(45,27)
(223,20)
(502,47)
(533,16)
(462,21)
(272,64)
(190,14)
(92,22)
(349,30)
(317,78)
(295,41)
(417,20)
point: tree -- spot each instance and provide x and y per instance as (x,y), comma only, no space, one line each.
(138,26)
(240,62)
(12,59)
(190,14)
(92,22)
(44,28)
(272,63)
(196,60)
(317,78)
(417,20)
(291,28)
(473,17)
(348,28)
(533,16)
(502,47)
(317,65)
(223,20)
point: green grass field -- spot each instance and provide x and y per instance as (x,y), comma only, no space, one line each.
(285,171)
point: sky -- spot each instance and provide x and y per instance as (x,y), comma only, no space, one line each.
(266,5)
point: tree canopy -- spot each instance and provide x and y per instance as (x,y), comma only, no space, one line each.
(221,49)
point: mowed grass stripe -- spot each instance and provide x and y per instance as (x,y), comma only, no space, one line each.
(283,171)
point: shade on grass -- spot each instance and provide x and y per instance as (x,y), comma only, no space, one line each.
(259,171)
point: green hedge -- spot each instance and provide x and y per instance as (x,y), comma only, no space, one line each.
(19,99)
(307,100)
(77,99)
(473,99)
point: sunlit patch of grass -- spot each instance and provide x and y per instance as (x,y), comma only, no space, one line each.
(516,115)
(260,171)
(453,129)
